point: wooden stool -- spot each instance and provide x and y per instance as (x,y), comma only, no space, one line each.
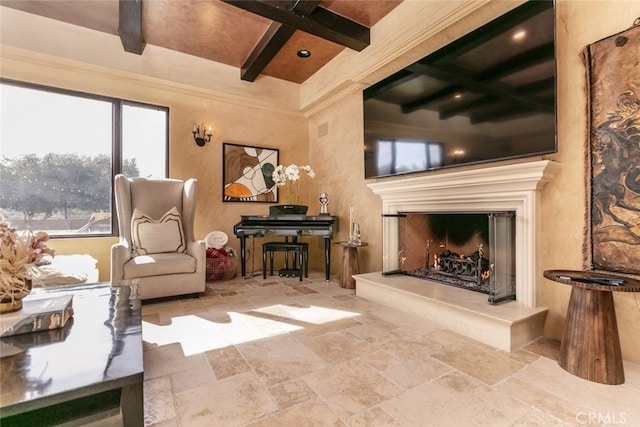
(300,250)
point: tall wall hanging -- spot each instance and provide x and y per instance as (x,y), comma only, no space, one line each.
(613,73)
(247,173)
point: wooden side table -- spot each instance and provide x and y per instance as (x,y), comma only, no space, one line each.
(590,346)
(350,264)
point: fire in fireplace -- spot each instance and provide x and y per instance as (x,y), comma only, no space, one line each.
(469,250)
(468,271)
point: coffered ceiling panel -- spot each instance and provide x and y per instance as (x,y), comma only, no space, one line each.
(225,32)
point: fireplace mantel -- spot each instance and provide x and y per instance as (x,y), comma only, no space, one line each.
(513,187)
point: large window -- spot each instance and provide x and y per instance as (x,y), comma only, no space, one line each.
(60,151)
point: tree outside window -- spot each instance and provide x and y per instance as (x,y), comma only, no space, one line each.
(57,156)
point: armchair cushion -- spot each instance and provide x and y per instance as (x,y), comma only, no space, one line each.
(159,264)
(150,236)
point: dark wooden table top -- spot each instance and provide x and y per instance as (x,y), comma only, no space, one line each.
(99,348)
(577,278)
(349,244)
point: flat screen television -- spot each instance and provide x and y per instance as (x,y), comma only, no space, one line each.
(488,96)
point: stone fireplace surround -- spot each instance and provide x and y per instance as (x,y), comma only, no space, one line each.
(512,187)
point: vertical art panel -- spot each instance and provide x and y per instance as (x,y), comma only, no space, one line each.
(247,174)
(613,66)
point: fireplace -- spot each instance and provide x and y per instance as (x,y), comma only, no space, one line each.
(473,250)
(512,189)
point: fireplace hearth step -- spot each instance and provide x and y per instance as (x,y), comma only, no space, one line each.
(507,326)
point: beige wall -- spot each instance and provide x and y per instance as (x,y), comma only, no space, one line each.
(335,138)
(320,123)
(579,23)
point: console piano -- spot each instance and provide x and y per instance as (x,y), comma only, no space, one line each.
(288,226)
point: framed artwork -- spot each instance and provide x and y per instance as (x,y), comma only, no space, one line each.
(247,173)
(614,153)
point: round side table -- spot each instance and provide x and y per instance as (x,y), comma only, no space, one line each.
(350,264)
(590,346)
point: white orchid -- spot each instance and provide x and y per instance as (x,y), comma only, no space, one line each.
(283,174)
(291,173)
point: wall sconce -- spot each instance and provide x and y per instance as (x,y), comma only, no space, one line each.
(201,138)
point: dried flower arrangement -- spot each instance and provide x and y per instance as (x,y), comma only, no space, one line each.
(19,254)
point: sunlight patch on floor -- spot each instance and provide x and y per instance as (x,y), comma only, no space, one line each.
(197,334)
(311,314)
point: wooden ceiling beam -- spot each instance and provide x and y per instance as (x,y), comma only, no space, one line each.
(130,26)
(271,42)
(496,27)
(459,77)
(321,22)
(527,59)
(529,89)
(338,29)
(389,83)
(425,101)
(506,113)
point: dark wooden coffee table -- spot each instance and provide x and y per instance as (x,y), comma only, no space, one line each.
(80,371)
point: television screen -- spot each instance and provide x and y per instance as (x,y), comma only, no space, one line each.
(487,96)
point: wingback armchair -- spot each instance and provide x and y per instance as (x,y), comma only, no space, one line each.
(157,246)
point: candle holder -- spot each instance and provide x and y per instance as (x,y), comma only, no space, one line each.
(355,234)
(201,135)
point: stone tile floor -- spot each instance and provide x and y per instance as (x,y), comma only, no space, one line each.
(280,352)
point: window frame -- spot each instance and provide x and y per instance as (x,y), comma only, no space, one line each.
(117,141)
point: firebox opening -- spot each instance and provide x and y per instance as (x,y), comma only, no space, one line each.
(474,251)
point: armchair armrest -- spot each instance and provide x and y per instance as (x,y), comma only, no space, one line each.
(120,254)
(198,250)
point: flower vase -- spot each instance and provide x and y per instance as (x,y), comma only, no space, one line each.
(12,299)
(293,193)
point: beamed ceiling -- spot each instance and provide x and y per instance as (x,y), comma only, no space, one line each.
(484,75)
(499,71)
(258,37)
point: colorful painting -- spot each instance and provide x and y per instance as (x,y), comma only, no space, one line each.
(614,101)
(247,174)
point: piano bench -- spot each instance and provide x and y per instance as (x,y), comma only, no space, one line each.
(301,251)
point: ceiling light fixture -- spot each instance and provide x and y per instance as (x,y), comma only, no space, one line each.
(519,35)
(304,53)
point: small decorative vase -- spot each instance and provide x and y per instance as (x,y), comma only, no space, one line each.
(355,234)
(13,302)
